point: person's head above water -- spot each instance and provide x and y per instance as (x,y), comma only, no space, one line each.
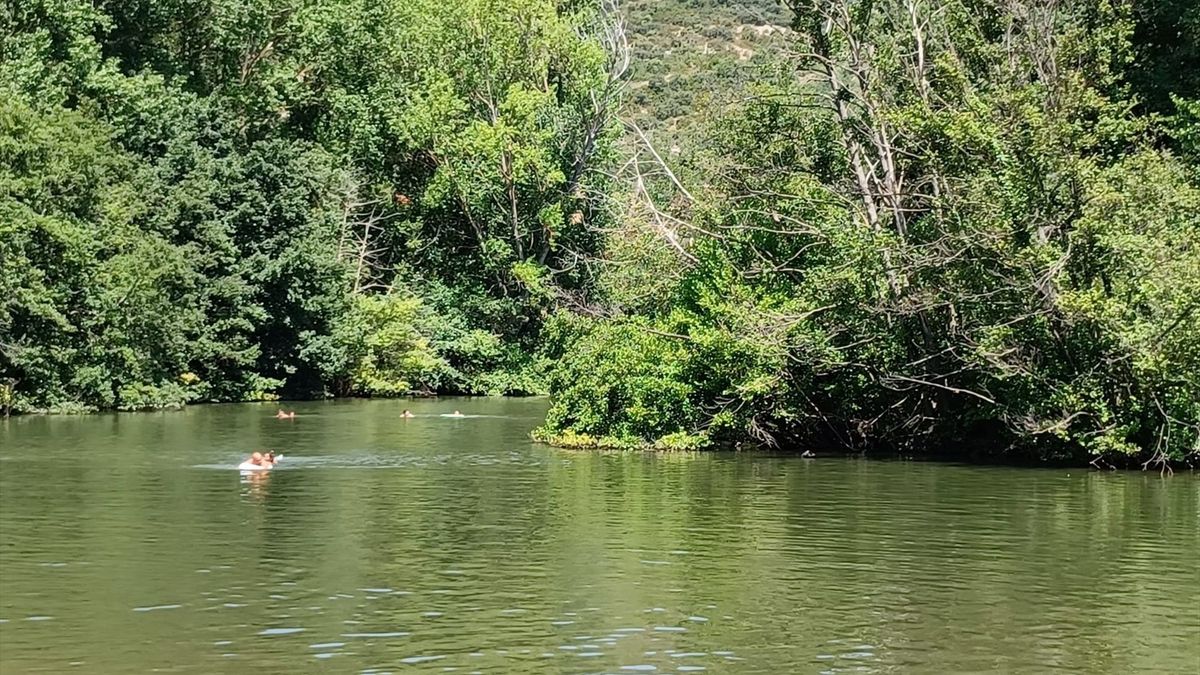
(256,457)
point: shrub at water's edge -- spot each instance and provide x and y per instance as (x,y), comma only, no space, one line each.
(572,440)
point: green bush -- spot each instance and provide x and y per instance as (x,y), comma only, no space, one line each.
(385,353)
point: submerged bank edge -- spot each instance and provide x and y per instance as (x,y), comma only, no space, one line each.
(695,444)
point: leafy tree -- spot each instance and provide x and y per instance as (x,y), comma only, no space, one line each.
(94,306)
(384,350)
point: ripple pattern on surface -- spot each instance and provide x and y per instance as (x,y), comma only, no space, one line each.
(390,545)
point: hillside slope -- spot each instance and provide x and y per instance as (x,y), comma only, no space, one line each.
(691,55)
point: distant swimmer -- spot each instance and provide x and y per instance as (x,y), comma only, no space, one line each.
(281,415)
(456,414)
(407,413)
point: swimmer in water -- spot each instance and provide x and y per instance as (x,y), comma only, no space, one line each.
(265,460)
(457,414)
(407,413)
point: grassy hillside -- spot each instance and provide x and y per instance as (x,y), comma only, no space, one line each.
(691,55)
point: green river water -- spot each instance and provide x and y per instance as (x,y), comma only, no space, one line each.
(130,544)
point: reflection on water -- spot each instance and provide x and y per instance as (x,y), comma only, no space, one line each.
(254,483)
(383,544)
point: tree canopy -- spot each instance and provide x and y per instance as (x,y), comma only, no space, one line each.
(230,200)
(968,226)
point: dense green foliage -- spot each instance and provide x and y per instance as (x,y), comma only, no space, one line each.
(975,228)
(902,225)
(244,199)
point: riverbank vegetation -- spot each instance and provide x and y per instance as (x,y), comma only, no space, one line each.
(897,226)
(943,225)
(247,199)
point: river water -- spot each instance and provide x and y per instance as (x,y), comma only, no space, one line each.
(129,543)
